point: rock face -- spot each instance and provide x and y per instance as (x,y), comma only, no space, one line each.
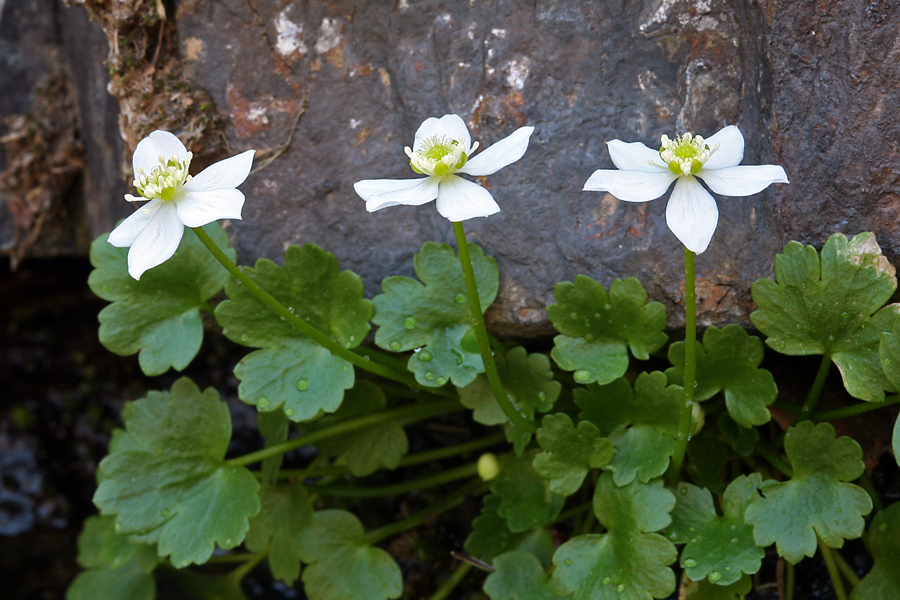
(333,91)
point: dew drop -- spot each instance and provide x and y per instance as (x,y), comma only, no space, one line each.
(289,412)
(262,402)
(245,337)
(409,322)
(165,512)
(714,576)
(734,540)
(784,512)
(429,375)
(302,385)
(728,569)
(836,522)
(607,581)
(228,541)
(395,346)
(185,563)
(620,588)
(690,562)
(596,315)
(352,338)
(459,298)
(574,315)
(441,380)
(589,337)
(345,367)
(840,510)
(582,376)
(425,356)
(568,562)
(542,397)
(882,527)
(118,527)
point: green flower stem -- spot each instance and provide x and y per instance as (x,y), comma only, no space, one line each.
(242,571)
(856,409)
(845,569)
(786,407)
(791,580)
(833,573)
(399,488)
(865,483)
(364,363)
(572,512)
(448,586)
(816,390)
(404,414)
(484,344)
(774,460)
(454,499)
(690,367)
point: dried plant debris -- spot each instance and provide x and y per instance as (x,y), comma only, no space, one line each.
(43,159)
(147,79)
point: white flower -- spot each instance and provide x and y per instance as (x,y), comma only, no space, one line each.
(691,214)
(176,199)
(442,148)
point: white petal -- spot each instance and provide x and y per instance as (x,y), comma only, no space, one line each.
(381,193)
(633,186)
(459,200)
(731,148)
(157,242)
(149,149)
(692,214)
(196,209)
(742,180)
(634,156)
(228,173)
(450,126)
(505,152)
(124,235)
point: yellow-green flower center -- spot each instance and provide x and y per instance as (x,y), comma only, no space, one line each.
(686,154)
(164,180)
(438,155)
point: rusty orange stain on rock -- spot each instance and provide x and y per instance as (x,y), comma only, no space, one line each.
(364,133)
(419,66)
(364,70)
(250,117)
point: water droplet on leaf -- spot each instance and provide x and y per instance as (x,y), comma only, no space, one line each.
(582,376)
(690,562)
(459,298)
(409,322)
(425,356)
(395,346)
(302,385)
(263,402)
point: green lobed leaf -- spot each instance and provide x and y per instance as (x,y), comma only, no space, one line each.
(704,590)
(526,500)
(286,511)
(435,317)
(815,500)
(641,423)
(118,569)
(158,316)
(717,548)
(342,566)
(728,360)
(883,581)
(598,329)
(829,306)
(519,576)
(629,561)
(290,371)
(492,537)
(274,427)
(365,451)
(176,488)
(742,439)
(889,354)
(569,452)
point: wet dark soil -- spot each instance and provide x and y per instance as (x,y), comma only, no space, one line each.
(61,393)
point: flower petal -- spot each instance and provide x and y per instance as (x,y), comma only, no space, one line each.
(632,186)
(381,193)
(124,235)
(459,199)
(634,156)
(228,173)
(731,148)
(149,149)
(503,153)
(157,242)
(196,209)
(692,214)
(451,126)
(742,180)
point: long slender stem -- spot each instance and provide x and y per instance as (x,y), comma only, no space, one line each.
(866,483)
(572,512)
(399,488)
(816,390)
(366,364)
(852,411)
(446,503)
(774,460)
(405,414)
(833,573)
(690,367)
(791,582)
(448,586)
(845,569)
(484,344)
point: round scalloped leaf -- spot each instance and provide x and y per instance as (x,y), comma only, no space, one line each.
(628,562)
(519,576)
(290,371)
(883,581)
(641,423)
(435,317)
(717,548)
(527,502)
(815,500)
(728,360)
(158,316)
(492,537)
(569,452)
(598,329)
(176,488)
(342,566)
(286,511)
(826,307)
